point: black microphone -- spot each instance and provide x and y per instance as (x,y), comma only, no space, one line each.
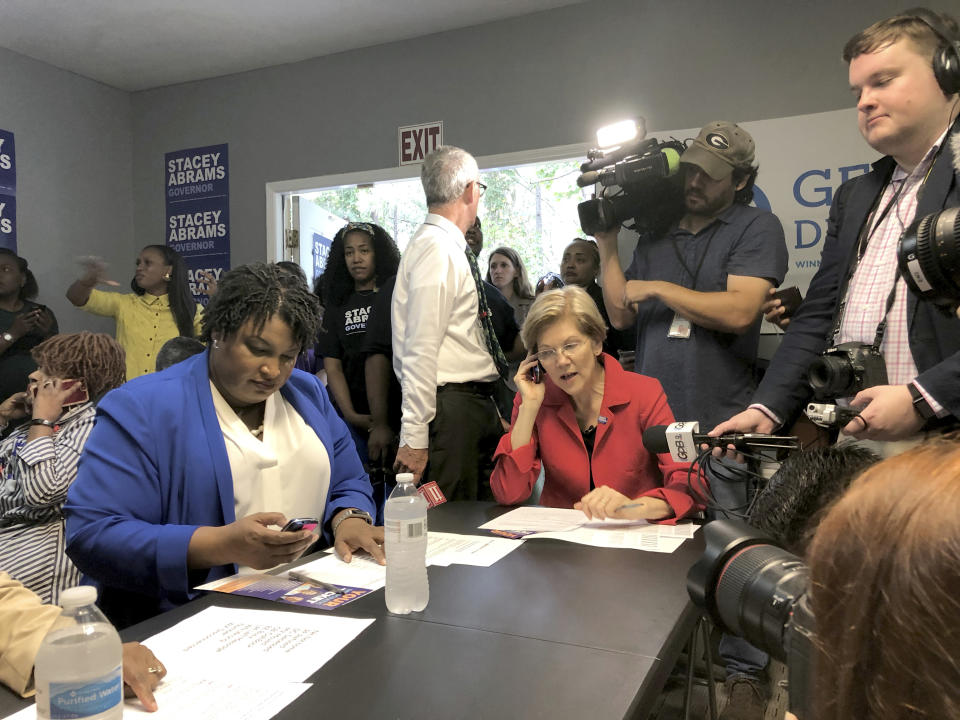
(683,440)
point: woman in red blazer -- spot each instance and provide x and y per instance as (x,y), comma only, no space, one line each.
(583,422)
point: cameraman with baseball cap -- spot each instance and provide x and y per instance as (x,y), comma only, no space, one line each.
(694,295)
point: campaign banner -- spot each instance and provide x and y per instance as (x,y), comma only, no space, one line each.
(198,212)
(8,191)
(320,253)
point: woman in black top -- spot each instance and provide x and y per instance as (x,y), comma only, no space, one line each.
(362,256)
(24,324)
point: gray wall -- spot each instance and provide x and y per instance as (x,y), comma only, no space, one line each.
(537,81)
(74,172)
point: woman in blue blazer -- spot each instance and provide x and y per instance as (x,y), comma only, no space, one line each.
(188,471)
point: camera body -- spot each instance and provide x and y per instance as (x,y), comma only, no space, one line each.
(642,185)
(845,370)
(755,590)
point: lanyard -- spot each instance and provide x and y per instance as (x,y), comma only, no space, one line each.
(703,256)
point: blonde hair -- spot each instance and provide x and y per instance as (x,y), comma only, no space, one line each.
(571,302)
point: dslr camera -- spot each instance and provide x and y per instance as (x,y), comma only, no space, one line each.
(753,589)
(638,180)
(845,370)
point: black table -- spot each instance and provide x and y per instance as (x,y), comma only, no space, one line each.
(554,630)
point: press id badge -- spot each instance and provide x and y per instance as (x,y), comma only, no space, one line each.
(679,328)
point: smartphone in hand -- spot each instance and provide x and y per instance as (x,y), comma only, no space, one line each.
(535,374)
(790,299)
(304,523)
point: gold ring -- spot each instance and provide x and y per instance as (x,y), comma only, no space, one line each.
(153,670)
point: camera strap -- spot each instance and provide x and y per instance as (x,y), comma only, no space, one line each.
(866,232)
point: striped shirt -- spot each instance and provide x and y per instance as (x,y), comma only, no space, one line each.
(35,478)
(866,300)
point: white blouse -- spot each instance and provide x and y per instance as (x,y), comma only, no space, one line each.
(288,471)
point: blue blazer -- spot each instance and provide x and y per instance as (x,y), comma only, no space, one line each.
(155,468)
(934,337)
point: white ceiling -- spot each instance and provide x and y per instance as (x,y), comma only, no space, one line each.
(140,44)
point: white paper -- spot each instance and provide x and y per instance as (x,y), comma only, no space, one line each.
(531,518)
(361,572)
(181,696)
(264,645)
(634,539)
(477,550)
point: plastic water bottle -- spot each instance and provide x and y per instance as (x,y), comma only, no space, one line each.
(405,534)
(78,669)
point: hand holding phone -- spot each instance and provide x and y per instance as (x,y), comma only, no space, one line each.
(310,524)
(535,373)
(790,299)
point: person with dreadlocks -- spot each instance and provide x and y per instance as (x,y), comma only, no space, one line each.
(362,257)
(38,461)
(161,305)
(191,472)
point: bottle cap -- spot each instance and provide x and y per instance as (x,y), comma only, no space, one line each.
(404,477)
(78,596)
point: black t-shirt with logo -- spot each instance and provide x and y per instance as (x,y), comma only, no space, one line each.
(344,329)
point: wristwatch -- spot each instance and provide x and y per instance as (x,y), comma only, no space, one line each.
(8,337)
(351,513)
(920,403)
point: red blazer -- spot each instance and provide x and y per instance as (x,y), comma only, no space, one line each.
(631,403)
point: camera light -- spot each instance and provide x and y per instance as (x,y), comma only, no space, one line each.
(617,133)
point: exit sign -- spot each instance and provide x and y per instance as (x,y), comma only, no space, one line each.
(418,141)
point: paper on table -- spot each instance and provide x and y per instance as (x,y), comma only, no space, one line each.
(477,550)
(262,644)
(646,538)
(531,518)
(184,696)
(362,571)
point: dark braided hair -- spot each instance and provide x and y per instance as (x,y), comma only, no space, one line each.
(182,304)
(29,289)
(337,281)
(95,358)
(257,292)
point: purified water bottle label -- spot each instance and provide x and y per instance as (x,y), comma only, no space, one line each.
(80,700)
(402,531)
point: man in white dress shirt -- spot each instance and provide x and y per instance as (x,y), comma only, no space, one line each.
(440,352)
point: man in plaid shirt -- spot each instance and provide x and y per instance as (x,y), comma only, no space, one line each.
(906,112)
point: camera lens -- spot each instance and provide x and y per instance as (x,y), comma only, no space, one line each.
(831,377)
(929,257)
(756,592)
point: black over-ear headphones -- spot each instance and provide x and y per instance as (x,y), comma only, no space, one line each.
(946,58)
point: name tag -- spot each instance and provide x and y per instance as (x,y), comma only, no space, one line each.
(680,328)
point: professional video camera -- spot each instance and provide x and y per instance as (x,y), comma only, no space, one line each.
(929,258)
(755,590)
(638,178)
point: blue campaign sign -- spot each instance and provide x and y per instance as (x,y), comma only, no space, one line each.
(199,227)
(8,162)
(321,251)
(197,190)
(197,173)
(8,222)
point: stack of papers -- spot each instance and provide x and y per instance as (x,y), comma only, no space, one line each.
(573,526)
(226,664)
(362,574)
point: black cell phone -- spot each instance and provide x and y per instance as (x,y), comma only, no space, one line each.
(298,524)
(535,373)
(790,299)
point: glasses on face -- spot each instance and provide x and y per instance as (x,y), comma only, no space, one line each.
(483,188)
(552,355)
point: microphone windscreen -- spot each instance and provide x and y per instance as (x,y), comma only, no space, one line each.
(655,439)
(588,178)
(673,160)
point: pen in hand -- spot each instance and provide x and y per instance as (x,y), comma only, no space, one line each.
(300,577)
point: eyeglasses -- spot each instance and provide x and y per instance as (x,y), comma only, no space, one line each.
(552,355)
(483,188)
